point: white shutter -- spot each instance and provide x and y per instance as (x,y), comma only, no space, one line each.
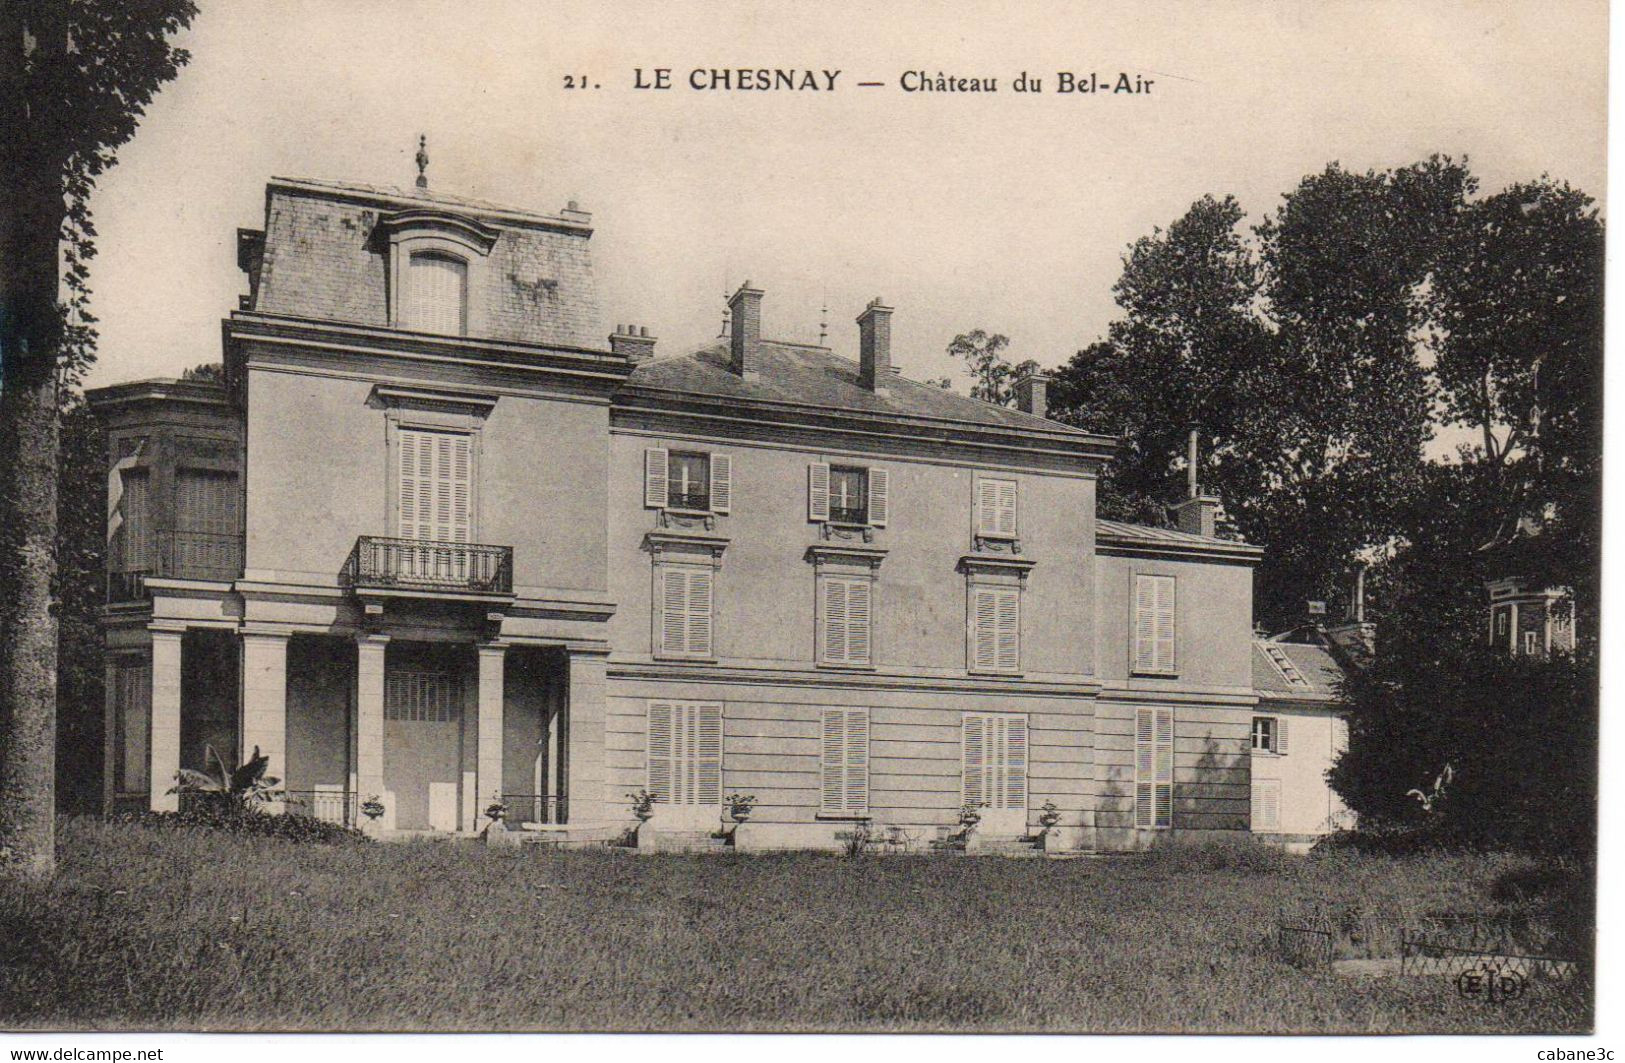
(1153,768)
(857,621)
(660,750)
(818,491)
(844,763)
(437,290)
(1015,791)
(1165,623)
(857,761)
(987,506)
(1266,804)
(1280,735)
(721,482)
(708,754)
(1165,768)
(984,623)
(1154,631)
(974,742)
(1006,507)
(673,608)
(879,496)
(655,470)
(699,612)
(1007,631)
(835,619)
(1145,768)
(435,485)
(832,764)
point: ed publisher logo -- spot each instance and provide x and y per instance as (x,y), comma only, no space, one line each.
(1490,983)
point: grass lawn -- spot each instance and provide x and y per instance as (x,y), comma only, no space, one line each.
(186,929)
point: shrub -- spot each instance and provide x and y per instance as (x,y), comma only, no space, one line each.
(290,827)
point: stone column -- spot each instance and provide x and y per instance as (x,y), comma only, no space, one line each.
(164,746)
(488,777)
(265,702)
(584,733)
(110,750)
(369,725)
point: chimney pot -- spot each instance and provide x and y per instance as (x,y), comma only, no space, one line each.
(874,345)
(1032,394)
(632,343)
(745,331)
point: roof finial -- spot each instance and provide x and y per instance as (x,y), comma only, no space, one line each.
(423,161)
(723,332)
(823,321)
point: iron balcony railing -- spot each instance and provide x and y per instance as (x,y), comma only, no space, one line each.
(423,564)
(177,555)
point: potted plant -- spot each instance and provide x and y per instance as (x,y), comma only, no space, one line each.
(740,806)
(1048,817)
(643,805)
(496,812)
(372,808)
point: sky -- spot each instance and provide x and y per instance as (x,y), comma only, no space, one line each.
(1003,211)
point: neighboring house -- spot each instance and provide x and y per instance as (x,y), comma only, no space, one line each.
(435,541)
(1297,734)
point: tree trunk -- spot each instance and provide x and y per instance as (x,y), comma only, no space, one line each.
(31,218)
(28,627)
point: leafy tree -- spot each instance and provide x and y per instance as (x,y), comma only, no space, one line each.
(76,79)
(206,373)
(993,378)
(1294,355)
(1518,304)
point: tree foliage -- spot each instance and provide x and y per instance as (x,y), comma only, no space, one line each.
(993,378)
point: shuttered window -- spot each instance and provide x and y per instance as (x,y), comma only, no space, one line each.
(683,619)
(688,480)
(1154,768)
(1269,734)
(419,696)
(206,523)
(435,485)
(1154,634)
(685,752)
(848,494)
(1266,804)
(995,507)
(844,762)
(995,760)
(136,548)
(132,720)
(436,294)
(847,616)
(995,628)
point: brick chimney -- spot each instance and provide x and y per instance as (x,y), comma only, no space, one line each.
(633,343)
(874,346)
(1032,394)
(1197,516)
(745,331)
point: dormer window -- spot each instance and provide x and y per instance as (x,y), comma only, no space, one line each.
(438,274)
(436,296)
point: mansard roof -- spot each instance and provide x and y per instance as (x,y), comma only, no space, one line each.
(409,198)
(806,375)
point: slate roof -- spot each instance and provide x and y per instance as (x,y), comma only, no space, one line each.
(816,376)
(414,195)
(1316,666)
(1145,533)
